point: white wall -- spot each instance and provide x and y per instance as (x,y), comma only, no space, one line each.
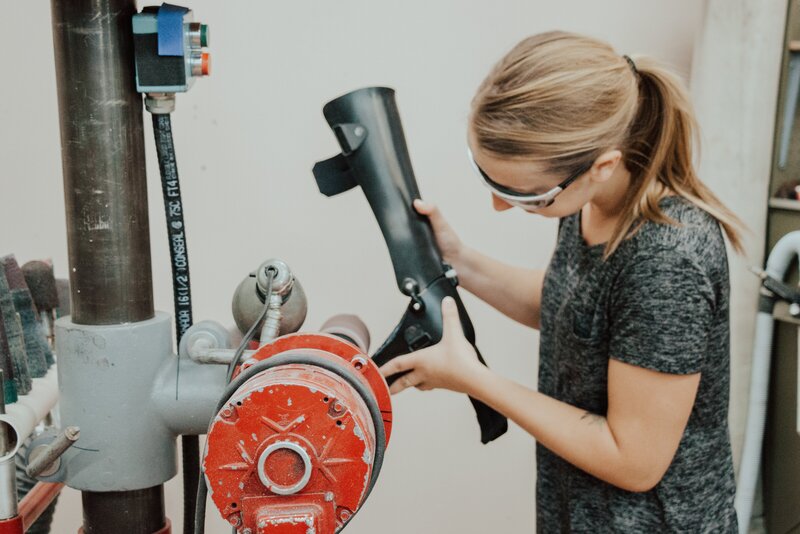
(246,140)
(736,66)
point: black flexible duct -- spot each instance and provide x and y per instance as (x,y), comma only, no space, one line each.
(181,289)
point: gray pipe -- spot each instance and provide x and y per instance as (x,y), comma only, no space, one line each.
(8,473)
(781,257)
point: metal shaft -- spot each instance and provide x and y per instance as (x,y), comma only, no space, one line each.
(53,452)
(105,195)
(105,189)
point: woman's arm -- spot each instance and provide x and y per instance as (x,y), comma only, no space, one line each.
(631,447)
(513,291)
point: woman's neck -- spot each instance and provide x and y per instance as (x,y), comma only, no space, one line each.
(599,217)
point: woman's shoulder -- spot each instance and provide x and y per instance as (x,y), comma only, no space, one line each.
(693,233)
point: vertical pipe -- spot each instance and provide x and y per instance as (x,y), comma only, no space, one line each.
(129,512)
(102,152)
(105,194)
(8,471)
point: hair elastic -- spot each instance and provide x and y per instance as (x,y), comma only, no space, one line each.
(631,64)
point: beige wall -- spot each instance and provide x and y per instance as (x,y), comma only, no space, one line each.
(737,64)
(246,140)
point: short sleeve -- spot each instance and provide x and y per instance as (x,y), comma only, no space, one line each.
(661,314)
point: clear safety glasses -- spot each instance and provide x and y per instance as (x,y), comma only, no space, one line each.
(522,200)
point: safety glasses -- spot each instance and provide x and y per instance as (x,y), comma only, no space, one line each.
(523,200)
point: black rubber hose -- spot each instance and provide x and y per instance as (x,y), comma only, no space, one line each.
(252,330)
(202,489)
(182,293)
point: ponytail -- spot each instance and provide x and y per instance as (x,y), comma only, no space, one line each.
(564,99)
(658,153)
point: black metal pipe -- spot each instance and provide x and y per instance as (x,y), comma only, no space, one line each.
(105,187)
(139,511)
(105,194)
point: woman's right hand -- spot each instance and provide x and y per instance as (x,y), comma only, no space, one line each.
(449,243)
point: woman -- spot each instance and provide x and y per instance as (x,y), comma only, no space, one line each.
(630,416)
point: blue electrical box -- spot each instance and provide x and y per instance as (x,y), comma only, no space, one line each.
(169,48)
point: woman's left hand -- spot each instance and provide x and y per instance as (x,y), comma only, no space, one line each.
(450,364)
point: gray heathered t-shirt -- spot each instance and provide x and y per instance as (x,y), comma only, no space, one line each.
(659,302)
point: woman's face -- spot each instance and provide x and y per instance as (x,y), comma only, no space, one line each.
(531,178)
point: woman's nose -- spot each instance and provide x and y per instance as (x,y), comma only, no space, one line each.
(499,204)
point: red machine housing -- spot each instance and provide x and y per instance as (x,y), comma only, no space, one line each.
(297,448)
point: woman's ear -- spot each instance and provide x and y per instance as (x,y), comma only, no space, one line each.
(499,204)
(605,165)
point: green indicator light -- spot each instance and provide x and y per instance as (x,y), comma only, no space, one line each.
(204,35)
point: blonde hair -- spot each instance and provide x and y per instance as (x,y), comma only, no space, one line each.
(564,99)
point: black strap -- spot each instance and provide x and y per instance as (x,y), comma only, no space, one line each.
(334,176)
(421,328)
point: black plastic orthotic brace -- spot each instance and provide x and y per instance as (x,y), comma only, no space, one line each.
(375,156)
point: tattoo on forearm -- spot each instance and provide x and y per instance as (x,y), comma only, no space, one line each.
(593,418)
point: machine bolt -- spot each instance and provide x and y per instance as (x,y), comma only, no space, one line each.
(358,362)
(344,514)
(335,409)
(228,412)
(235,519)
(328,496)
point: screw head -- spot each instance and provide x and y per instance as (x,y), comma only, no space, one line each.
(359,363)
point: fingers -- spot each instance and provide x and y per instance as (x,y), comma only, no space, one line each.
(430,210)
(408,380)
(424,208)
(450,317)
(399,365)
